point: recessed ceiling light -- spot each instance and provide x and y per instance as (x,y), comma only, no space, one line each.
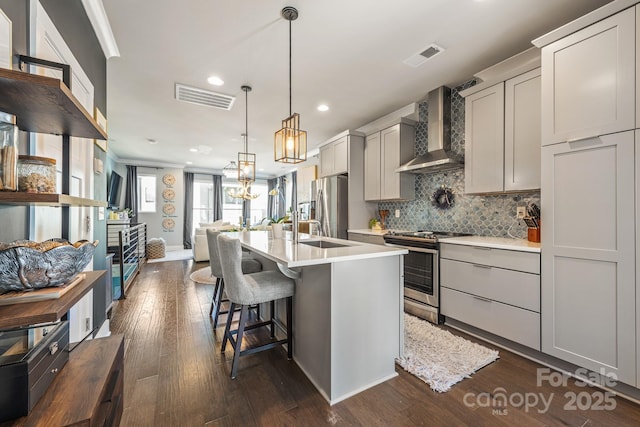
(323,107)
(189,163)
(261,170)
(193,150)
(215,80)
(152,141)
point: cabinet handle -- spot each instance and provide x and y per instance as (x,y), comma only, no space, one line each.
(482,299)
(54,371)
(488,267)
(481,248)
(584,138)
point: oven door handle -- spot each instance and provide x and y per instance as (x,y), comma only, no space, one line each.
(413,249)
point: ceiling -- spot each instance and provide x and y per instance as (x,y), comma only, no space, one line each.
(346,54)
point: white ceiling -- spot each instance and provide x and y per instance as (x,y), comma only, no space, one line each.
(347,54)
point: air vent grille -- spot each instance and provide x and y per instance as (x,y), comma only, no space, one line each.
(207,98)
(422,57)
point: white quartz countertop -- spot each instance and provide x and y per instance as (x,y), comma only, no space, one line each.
(284,251)
(522,245)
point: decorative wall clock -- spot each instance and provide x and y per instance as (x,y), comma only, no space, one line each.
(169,194)
(169,209)
(169,179)
(168,224)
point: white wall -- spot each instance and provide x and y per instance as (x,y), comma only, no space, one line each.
(154,221)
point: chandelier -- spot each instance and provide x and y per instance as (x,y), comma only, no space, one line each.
(290,142)
(243,192)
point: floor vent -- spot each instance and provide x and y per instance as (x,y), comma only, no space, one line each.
(422,57)
(198,96)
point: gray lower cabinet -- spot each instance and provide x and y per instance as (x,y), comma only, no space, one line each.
(495,290)
(374,239)
(589,254)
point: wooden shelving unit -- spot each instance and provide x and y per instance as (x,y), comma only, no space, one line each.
(40,199)
(45,105)
(87,392)
(15,315)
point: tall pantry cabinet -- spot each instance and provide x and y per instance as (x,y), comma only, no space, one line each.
(590,160)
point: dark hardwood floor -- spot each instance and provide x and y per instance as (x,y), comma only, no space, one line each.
(175,375)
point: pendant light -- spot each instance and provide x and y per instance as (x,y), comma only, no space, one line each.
(231,170)
(246,160)
(290,143)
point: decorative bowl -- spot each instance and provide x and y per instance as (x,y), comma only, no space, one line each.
(27,265)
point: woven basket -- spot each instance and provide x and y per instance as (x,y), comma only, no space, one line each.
(156,248)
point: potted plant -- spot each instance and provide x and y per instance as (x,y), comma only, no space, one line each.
(375,224)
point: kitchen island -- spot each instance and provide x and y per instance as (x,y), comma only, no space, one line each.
(347,312)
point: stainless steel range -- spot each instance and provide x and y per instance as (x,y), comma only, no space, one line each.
(421,271)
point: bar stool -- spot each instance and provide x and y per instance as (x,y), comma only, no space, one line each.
(249,265)
(245,290)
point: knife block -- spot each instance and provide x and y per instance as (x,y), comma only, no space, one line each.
(533,235)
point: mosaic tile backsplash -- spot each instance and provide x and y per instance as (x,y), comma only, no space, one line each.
(487,215)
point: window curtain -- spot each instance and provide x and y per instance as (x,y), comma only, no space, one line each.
(272,184)
(246,209)
(281,209)
(188,210)
(131,193)
(217,197)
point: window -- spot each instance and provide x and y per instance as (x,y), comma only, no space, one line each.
(146,193)
(202,201)
(232,207)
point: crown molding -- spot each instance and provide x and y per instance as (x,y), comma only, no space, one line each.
(100,23)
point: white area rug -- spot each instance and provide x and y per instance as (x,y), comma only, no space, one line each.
(438,357)
(203,276)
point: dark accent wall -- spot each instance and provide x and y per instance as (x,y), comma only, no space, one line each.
(73,24)
(71,21)
(17,11)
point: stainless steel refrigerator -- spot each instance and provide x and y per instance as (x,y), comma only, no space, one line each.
(330,196)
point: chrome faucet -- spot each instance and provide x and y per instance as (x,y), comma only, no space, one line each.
(318,227)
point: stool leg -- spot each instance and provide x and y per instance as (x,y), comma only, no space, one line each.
(218,304)
(227,328)
(244,313)
(272,308)
(215,292)
(290,328)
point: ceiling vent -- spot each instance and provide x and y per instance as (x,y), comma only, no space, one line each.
(207,98)
(422,57)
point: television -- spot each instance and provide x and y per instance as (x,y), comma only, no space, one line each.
(113,191)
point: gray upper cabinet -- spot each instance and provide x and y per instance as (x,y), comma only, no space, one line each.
(502,131)
(484,144)
(334,157)
(589,81)
(372,167)
(522,132)
(384,152)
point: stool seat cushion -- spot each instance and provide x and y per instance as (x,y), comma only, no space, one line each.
(265,286)
(250,265)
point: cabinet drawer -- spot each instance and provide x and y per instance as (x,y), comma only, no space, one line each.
(515,324)
(507,286)
(528,262)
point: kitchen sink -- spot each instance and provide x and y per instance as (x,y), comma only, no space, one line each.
(323,244)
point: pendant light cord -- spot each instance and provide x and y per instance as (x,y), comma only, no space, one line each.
(290,68)
(246,121)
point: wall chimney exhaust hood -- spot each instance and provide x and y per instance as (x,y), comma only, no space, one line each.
(438,157)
